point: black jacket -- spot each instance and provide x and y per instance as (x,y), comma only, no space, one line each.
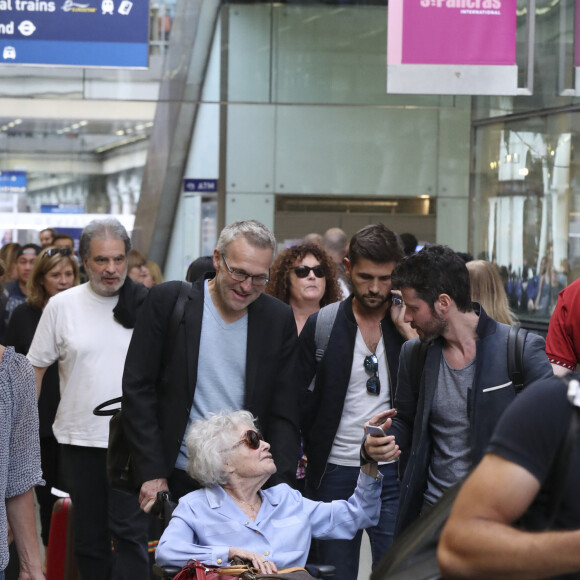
(157,400)
(321,410)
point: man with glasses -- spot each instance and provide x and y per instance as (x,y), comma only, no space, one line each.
(355,379)
(230,352)
(452,391)
(87,329)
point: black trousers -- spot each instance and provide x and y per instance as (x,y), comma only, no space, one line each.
(111,531)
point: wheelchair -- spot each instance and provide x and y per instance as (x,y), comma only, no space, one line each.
(164,506)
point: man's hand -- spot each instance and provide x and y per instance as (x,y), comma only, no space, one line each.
(382,448)
(398,318)
(258,560)
(148,493)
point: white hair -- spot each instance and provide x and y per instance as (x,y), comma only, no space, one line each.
(210,443)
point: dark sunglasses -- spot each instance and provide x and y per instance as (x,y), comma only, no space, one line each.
(303,271)
(62,251)
(251,439)
(372,366)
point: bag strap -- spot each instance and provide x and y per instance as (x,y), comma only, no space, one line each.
(324,325)
(170,340)
(515,356)
(174,321)
(101,410)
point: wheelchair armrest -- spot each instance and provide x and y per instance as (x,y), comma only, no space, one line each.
(321,570)
(166,571)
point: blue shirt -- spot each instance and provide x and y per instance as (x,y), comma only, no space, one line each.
(207,522)
(19,439)
(221,368)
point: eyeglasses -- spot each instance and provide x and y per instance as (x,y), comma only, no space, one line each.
(304,271)
(251,439)
(241,276)
(372,366)
(62,251)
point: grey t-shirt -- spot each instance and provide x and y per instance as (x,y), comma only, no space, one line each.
(449,429)
(221,367)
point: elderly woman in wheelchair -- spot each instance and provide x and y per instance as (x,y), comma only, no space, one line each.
(232,516)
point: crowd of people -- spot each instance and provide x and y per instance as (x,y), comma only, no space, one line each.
(289,402)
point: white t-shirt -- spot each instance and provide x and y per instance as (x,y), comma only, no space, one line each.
(359,405)
(78,330)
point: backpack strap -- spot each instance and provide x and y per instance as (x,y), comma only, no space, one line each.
(515,356)
(174,321)
(324,324)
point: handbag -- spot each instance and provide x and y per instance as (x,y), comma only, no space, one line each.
(119,465)
(195,570)
(413,555)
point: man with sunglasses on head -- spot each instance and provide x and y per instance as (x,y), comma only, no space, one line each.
(452,388)
(230,351)
(355,379)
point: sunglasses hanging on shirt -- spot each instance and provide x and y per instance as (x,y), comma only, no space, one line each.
(371,364)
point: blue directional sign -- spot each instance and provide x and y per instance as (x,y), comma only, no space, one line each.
(103,33)
(196,185)
(12,181)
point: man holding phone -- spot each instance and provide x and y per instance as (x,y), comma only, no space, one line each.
(355,379)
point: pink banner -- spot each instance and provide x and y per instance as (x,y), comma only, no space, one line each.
(476,32)
(577,34)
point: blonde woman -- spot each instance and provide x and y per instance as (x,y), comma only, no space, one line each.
(487,289)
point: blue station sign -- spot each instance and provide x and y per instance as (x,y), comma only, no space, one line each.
(85,33)
(197,185)
(13,182)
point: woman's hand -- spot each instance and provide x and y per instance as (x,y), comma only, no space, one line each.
(258,560)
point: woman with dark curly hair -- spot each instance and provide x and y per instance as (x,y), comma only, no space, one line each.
(305,278)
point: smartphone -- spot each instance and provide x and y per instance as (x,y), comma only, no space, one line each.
(375,431)
(397,300)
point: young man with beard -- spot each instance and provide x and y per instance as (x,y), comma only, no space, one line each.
(446,410)
(87,329)
(355,379)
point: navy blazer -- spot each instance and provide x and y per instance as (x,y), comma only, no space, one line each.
(157,399)
(491,393)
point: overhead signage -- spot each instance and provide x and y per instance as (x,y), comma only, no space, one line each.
(87,33)
(452,47)
(12,181)
(199,185)
(62,208)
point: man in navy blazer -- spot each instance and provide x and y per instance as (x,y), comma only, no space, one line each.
(232,346)
(446,413)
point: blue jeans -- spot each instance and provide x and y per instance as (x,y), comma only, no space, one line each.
(339,482)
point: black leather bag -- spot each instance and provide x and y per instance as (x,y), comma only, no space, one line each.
(119,465)
(119,470)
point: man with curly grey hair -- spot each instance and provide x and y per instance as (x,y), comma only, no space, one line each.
(231,348)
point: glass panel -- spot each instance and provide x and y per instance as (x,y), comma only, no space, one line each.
(525,212)
(553,61)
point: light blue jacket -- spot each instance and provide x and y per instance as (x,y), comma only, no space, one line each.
(207,522)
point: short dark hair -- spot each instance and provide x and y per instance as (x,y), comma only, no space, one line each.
(37,249)
(433,271)
(376,243)
(62,237)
